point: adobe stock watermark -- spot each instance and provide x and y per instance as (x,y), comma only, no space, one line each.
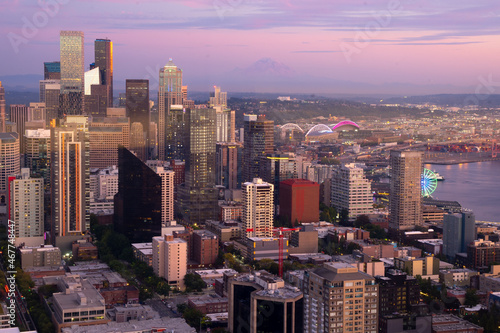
(364,37)
(32,25)
(484,89)
(223,7)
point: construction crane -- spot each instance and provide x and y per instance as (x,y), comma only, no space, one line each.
(280,243)
(280,246)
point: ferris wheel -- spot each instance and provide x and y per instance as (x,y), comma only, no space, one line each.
(428,182)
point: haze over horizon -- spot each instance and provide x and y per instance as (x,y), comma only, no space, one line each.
(357,47)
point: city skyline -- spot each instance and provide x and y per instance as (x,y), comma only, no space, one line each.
(346,47)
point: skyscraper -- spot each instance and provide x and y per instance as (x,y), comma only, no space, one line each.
(351,191)
(19,114)
(228,165)
(459,230)
(258,208)
(198,195)
(167,194)
(405,190)
(137,105)
(52,70)
(9,160)
(169,93)
(106,135)
(26,208)
(259,140)
(103,49)
(2,108)
(70,192)
(72,73)
(37,154)
(138,201)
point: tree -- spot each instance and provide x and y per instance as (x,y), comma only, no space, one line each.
(361,220)
(194,282)
(471,298)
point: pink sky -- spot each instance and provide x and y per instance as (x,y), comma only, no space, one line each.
(453,42)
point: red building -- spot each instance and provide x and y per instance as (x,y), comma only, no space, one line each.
(299,200)
(179,168)
(205,247)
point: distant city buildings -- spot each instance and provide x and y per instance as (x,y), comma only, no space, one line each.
(258,141)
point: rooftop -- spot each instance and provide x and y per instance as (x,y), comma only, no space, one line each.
(171,325)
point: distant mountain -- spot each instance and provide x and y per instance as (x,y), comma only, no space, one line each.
(266,67)
(26,82)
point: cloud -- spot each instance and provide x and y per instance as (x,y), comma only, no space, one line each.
(315,51)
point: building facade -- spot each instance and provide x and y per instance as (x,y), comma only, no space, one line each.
(299,200)
(72,73)
(258,208)
(339,298)
(405,196)
(351,191)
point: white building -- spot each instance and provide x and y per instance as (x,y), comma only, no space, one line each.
(104,183)
(351,191)
(170,259)
(26,208)
(258,208)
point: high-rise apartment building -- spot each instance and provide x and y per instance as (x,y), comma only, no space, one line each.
(351,191)
(37,112)
(228,165)
(459,230)
(37,154)
(19,114)
(2,108)
(258,208)
(170,257)
(52,70)
(9,160)
(170,124)
(138,203)
(259,141)
(198,197)
(339,298)
(405,198)
(167,194)
(72,73)
(103,49)
(26,207)
(137,105)
(106,135)
(50,91)
(70,186)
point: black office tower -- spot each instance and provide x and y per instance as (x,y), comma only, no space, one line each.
(138,201)
(137,106)
(103,49)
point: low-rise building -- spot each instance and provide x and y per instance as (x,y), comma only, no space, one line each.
(205,247)
(456,277)
(45,255)
(78,302)
(225,231)
(447,323)
(83,250)
(259,248)
(143,252)
(427,267)
(431,246)
(209,304)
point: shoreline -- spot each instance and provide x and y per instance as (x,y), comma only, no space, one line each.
(455,162)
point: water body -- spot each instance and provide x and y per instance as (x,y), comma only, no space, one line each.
(475,186)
